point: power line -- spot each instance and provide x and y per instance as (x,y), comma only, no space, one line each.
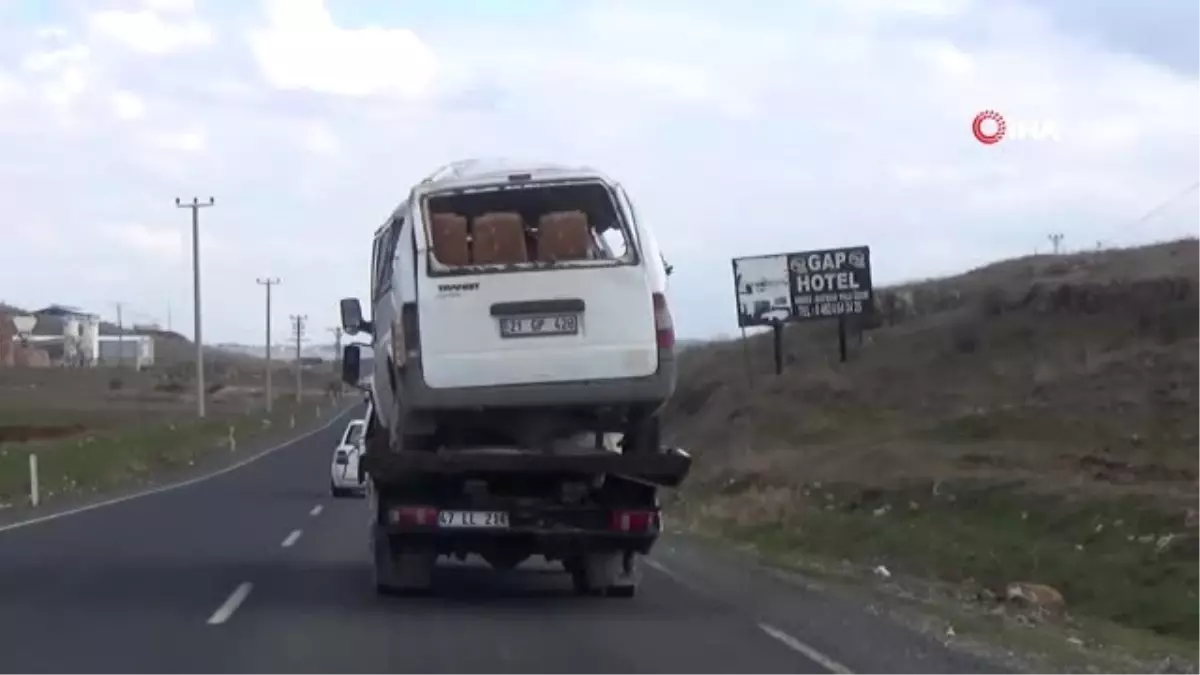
(268,283)
(195,205)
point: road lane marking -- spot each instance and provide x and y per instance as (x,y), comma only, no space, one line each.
(316,510)
(808,652)
(227,608)
(677,578)
(175,486)
(792,643)
(291,538)
(662,568)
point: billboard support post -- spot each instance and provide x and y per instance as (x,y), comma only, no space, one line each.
(777,330)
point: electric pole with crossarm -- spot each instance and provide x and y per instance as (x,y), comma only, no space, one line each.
(298,328)
(195,205)
(268,283)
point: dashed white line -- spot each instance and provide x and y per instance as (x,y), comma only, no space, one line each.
(316,510)
(291,538)
(231,604)
(809,653)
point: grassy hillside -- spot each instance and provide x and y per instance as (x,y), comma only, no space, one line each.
(1032,420)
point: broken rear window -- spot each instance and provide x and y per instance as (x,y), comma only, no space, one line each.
(527,226)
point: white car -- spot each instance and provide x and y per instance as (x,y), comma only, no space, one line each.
(343,472)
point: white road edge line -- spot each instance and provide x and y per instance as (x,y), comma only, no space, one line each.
(227,608)
(662,568)
(316,510)
(809,653)
(175,486)
(655,565)
(291,538)
(791,642)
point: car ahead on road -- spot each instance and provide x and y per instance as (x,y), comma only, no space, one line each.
(344,475)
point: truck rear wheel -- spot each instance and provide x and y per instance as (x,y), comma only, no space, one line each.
(612,574)
(397,571)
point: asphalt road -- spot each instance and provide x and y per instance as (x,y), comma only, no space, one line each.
(260,570)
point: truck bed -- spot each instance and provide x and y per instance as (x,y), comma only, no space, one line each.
(666,468)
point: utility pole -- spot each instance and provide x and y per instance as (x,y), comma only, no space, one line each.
(195,205)
(268,283)
(337,343)
(298,328)
(120,339)
(1055,241)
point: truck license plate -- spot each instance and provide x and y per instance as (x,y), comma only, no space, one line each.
(531,326)
(477,519)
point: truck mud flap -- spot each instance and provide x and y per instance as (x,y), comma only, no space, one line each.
(668,468)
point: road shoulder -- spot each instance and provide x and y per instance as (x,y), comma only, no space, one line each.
(960,633)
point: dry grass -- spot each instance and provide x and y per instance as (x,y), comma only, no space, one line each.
(1047,397)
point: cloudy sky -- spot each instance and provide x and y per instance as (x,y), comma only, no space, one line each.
(738,129)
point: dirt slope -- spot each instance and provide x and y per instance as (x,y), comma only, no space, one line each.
(1009,423)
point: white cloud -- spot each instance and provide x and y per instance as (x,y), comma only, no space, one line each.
(52,60)
(10,87)
(302,48)
(155,243)
(150,33)
(170,6)
(163,246)
(178,141)
(62,76)
(127,106)
(39,236)
(319,139)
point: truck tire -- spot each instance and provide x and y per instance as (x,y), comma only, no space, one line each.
(626,583)
(400,572)
(612,574)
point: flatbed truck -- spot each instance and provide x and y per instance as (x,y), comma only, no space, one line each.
(586,506)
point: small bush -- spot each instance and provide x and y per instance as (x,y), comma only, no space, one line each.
(966,338)
(993,302)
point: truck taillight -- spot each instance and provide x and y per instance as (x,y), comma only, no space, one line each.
(635,521)
(664,325)
(421,516)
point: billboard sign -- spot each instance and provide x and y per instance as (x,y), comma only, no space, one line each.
(786,287)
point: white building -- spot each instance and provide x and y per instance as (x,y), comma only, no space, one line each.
(129,351)
(77,331)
